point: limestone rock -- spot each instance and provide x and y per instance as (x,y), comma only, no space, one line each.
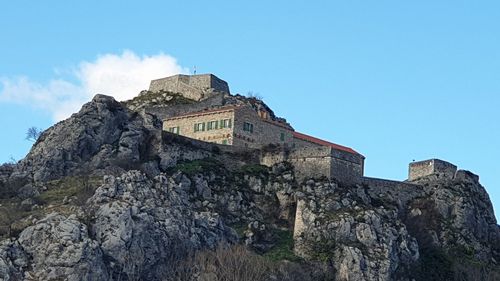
(55,248)
(142,223)
(457,213)
(363,242)
(101,135)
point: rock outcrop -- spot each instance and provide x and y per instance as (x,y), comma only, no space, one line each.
(141,224)
(453,213)
(341,224)
(158,199)
(103,136)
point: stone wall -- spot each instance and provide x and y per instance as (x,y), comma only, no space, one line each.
(311,162)
(299,227)
(428,167)
(346,171)
(317,162)
(264,131)
(176,148)
(390,190)
(194,87)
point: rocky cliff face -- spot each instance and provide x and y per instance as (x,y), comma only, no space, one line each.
(98,138)
(105,195)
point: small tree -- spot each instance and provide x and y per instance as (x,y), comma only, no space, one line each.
(33,134)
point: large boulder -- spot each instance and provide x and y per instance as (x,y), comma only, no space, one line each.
(55,248)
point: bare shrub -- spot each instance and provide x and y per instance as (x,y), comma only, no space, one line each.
(467,271)
(225,263)
(231,263)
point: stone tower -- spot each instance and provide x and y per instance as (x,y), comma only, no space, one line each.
(195,87)
(431,167)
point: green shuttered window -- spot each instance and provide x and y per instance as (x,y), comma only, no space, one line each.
(248,127)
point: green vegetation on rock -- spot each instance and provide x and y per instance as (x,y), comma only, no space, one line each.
(199,166)
(254,169)
(80,188)
(283,250)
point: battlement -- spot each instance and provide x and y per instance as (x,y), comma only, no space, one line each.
(429,167)
(195,87)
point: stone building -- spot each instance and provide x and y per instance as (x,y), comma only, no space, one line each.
(245,125)
(195,87)
(340,162)
(314,158)
(231,125)
(431,167)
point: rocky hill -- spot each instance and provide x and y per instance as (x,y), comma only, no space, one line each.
(105,195)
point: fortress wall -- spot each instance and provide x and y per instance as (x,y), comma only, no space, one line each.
(271,158)
(311,167)
(381,183)
(167,84)
(189,92)
(203,82)
(309,162)
(420,169)
(346,156)
(346,171)
(192,149)
(193,87)
(399,191)
(429,167)
(318,161)
(445,168)
(219,85)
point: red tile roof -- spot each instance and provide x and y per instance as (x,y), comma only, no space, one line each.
(324,143)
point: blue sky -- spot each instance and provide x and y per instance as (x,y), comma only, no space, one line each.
(396,80)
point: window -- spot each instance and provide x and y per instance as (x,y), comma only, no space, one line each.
(225,123)
(212,125)
(248,127)
(282,136)
(174,130)
(198,127)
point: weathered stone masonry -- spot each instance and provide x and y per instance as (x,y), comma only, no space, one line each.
(429,167)
(195,87)
(246,126)
(232,125)
(319,161)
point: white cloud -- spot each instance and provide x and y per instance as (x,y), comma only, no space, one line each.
(121,76)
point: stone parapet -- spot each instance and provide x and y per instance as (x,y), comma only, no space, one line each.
(431,167)
(195,87)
